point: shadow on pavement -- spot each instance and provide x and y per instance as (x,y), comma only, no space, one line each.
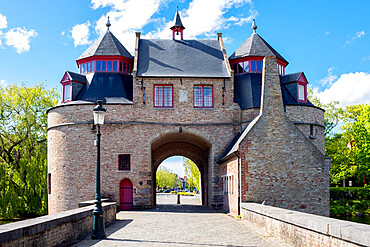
(176,243)
(179,208)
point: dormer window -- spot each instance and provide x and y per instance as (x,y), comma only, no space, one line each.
(302,92)
(67,92)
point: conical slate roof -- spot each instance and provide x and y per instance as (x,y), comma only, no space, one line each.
(178,22)
(255,46)
(106,45)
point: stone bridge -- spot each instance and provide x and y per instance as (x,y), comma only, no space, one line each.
(187,225)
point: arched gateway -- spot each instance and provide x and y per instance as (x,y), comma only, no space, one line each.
(183,144)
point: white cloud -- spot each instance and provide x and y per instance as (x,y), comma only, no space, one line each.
(3,83)
(349,89)
(129,16)
(197,21)
(358,35)
(3,22)
(329,79)
(126,17)
(19,38)
(80,33)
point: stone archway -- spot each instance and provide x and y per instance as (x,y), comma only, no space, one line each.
(182,144)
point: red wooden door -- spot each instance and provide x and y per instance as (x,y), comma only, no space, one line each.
(126,195)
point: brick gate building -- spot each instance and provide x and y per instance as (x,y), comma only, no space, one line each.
(246,124)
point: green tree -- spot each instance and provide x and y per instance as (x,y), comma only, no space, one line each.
(192,173)
(332,114)
(23,150)
(358,128)
(165,178)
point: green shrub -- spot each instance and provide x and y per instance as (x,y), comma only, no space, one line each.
(350,193)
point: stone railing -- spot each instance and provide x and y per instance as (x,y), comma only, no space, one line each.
(52,230)
(302,229)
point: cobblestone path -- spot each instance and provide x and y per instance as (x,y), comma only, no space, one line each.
(183,226)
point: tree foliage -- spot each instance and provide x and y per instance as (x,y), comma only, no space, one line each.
(165,178)
(350,149)
(192,173)
(23,150)
(332,112)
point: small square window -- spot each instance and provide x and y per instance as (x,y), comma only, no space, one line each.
(246,66)
(203,96)
(253,65)
(109,65)
(124,162)
(163,96)
(259,66)
(114,65)
(98,65)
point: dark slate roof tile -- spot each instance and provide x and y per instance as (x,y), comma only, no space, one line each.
(290,77)
(181,58)
(109,87)
(178,22)
(77,77)
(248,91)
(106,45)
(255,46)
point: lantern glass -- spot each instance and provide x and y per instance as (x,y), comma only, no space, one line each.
(99,117)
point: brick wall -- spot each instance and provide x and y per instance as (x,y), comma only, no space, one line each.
(229,170)
(152,134)
(136,129)
(53,230)
(279,163)
(302,229)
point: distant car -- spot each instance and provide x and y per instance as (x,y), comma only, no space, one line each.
(167,191)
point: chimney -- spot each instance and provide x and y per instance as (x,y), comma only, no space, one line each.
(271,98)
(134,70)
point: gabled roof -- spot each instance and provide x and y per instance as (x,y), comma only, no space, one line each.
(106,45)
(181,58)
(255,46)
(299,76)
(76,77)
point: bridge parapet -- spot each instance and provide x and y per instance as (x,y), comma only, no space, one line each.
(52,230)
(303,229)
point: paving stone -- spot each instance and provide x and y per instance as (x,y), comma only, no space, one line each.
(181,225)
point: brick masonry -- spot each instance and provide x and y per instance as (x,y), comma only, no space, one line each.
(53,230)
(301,229)
(279,164)
(151,135)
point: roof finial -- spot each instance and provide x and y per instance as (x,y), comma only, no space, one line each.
(177,8)
(108,23)
(254,26)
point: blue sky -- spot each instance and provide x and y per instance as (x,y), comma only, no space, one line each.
(328,40)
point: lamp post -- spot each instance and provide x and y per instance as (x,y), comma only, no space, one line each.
(98,228)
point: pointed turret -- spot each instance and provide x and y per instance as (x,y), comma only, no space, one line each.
(255,48)
(177,27)
(106,54)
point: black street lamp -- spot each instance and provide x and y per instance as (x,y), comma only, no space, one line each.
(98,228)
